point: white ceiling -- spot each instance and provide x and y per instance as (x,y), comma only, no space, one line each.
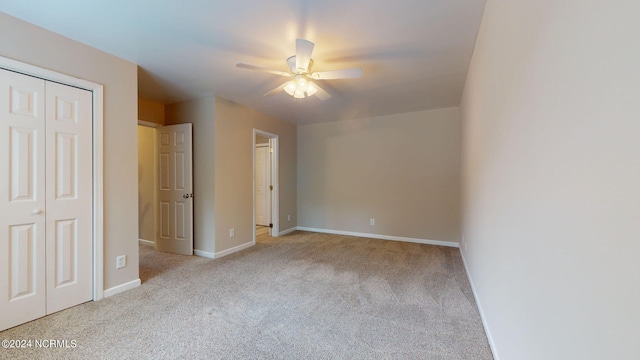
(414,53)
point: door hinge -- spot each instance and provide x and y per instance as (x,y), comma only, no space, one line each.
(270,225)
(270,150)
(271,187)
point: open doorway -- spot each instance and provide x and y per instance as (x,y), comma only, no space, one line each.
(165,187)
(265,185)
(147,184)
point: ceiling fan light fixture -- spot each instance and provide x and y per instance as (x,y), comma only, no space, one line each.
(311,89)
(300,87)
(302,83)
(299,94)
(300,66)
(290,88)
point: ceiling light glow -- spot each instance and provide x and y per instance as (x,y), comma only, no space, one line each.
(300,87)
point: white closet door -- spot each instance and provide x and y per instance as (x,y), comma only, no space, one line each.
(45,198)
(22,199)
(69,196)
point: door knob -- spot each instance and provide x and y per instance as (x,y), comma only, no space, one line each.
(36,211)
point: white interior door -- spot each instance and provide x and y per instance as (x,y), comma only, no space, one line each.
(69,196)
(175,189)
(47,139)
(22,199)
(263,183)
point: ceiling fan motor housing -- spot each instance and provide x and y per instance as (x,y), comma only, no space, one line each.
(291,61)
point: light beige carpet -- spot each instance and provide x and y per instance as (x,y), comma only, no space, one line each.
(299,296)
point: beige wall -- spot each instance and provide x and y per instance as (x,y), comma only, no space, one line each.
(234,171)
(551,175)
(151,111)
(36,46)
(146,183)
(223,158)
(201,113)
(401,170)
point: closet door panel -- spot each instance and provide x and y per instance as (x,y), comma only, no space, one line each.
(22,199)
(69,196)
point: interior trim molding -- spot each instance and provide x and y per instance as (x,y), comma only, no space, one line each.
(122,288)
(98,156)
(288,231)
(206,254)
(222,253)
(382,237)
(492,345)
(234,249)
(148,124)
(274,143)
(146,242)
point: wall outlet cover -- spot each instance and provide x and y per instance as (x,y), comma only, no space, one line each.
(121,261)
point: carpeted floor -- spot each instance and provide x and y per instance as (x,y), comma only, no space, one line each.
(299,296)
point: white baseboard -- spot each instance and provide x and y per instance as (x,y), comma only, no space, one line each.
(220,254)
(288,231)
(382,237)
(234,249)
(146,242)
(492,345)
(206,254)
(122,288)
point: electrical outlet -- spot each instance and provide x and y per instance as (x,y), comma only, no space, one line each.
(232,232)
(121,261)
(372,222)
(288,217)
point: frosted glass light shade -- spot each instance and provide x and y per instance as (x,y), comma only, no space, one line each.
(311,89)
(300,87)
(290,88)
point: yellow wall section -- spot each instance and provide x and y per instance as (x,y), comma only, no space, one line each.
(151,111)
(146,183)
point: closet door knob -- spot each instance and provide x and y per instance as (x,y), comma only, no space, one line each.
(36,211)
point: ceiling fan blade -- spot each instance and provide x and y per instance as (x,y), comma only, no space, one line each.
(321,94)
(352,73)
(276,90)
(259,68)
(304,49)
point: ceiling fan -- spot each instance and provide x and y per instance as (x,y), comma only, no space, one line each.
(300,66)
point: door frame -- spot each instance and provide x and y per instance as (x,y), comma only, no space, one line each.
(98,151)
(275,176)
